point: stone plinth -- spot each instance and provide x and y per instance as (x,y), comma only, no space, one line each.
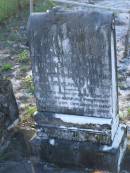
(82,154)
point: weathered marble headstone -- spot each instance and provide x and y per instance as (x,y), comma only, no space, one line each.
(74,70)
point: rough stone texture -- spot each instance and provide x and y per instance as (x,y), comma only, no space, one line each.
(74,69)
(121,9)
(15,167)
(8,106)
(89,131)
(82,154)
(34,165)
(71,75)
(9,114)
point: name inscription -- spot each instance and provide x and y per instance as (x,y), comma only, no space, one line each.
(72,70)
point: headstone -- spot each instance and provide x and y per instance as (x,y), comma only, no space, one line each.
(74,69)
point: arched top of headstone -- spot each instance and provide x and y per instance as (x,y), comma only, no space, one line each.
(91,17)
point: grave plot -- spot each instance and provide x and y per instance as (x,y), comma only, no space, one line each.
(74,68)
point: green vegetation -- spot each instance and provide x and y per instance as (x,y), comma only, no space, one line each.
(44,5)
(6,67)
(31,110)
(128,111)
(23,57)
(123,115)
(29,114)
(28,84)
(10,7)
(122,85)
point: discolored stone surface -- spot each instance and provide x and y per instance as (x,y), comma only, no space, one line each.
(71,75)
(8,106)
(74,69)
(77,128)
(14,167)
(82,154)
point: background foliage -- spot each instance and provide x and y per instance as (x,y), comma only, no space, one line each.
(10,7)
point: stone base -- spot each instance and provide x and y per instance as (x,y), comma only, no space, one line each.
(82,154)
(77,128)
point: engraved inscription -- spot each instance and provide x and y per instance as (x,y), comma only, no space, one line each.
(72,67)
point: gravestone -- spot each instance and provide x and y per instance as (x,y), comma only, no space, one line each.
(74,70)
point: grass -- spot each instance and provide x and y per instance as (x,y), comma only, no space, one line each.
(31,110)
(13,32)
(10,7)
(23,57)
(28,84)
(29,114)
(128,111)
(6,67)
(124,115)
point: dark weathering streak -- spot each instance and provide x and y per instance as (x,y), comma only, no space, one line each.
(72,63)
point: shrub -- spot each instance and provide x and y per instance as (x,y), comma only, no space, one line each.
(23,57)
(6,67)
(28,84)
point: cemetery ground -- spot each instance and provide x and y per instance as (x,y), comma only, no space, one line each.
(15,64)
